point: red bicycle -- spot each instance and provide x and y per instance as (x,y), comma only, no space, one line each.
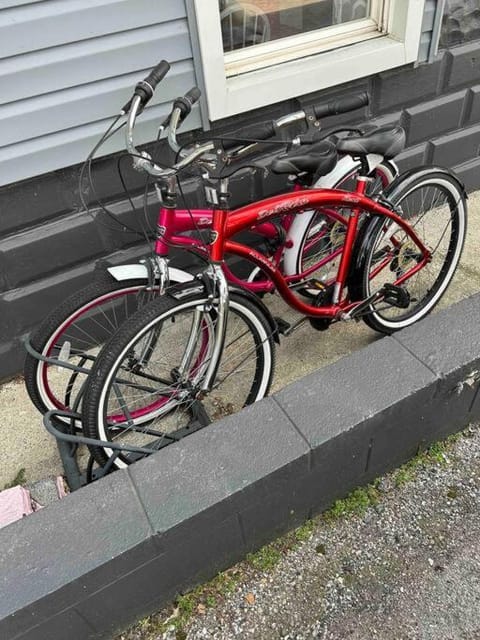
(206,349)
(306,248)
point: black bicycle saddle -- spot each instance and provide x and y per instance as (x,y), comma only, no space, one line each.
(319,158)
(386,141)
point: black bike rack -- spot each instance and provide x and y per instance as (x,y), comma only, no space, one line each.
(68,432)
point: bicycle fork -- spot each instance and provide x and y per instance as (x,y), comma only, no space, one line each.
(218,298)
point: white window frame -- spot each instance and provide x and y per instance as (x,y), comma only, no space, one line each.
(264,74)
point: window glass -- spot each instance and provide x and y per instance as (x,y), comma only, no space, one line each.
(253,22)
(461,22)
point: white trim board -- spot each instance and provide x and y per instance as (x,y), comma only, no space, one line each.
(227,96)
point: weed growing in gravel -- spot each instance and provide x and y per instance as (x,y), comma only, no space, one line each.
(20,478)
(265,558)
(437,454)
(356,502)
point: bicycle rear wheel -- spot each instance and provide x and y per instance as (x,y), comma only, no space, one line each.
(320,247)
(433,202)
(144,389)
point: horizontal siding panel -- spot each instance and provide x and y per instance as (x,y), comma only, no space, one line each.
(56,22)
(6,4)
(45,154)
(75,64)
(73,107)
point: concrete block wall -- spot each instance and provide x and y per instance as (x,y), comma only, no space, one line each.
(40,263)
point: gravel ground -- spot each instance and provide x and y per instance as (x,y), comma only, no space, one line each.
(407,567)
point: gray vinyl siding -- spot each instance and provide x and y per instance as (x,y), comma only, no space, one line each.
(66,66)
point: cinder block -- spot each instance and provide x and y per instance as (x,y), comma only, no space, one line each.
(463,65)
(191,555)
(449,344)
(387,119)
(412,157)
(12,357)
(469,174)
(114,523)
(475,408)
(50,248)
(343,409)
(67,624)
(429,119)
(333,400)
(407,85)
(457,147)
(275,506)
(238,451)
(473,115)
(36,200)
(77,590)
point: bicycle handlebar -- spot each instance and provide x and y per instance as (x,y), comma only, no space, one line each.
(182,106)
(342,105)
(268,129)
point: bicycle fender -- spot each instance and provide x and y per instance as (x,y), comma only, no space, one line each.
(369,229)
(139,272)
(258,302)
(196,286)
(417,172)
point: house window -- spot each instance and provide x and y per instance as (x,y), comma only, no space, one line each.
(258,52)
(260,33)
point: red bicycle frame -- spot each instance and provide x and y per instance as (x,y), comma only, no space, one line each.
(227,224)
(172,222)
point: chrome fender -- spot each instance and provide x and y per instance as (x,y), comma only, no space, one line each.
(139,272)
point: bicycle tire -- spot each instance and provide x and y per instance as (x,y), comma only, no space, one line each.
(48,384)
(432,197)
(113,400)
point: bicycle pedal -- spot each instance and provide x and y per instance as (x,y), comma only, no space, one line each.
(283,326)
(396,296)
(316,284)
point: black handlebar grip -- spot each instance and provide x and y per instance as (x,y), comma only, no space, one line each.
(157,74)
(342,105)
(261,131)
(193,95)
(186,102)
(145,88)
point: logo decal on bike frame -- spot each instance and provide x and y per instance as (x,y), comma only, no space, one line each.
(161,230)
(283,208)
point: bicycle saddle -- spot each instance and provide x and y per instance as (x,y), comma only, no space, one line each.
(319,158)
(387,141)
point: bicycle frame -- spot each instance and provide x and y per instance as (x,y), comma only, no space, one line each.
(172,222)
(226,224)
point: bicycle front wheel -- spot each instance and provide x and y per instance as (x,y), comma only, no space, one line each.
(433,202)
(144,389)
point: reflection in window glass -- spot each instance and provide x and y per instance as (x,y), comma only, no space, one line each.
(252,22)
(461,22)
